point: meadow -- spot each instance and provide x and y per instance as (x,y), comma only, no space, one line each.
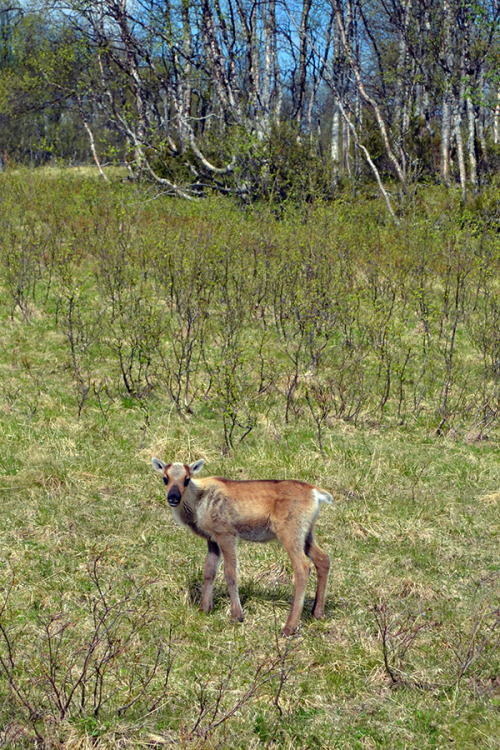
(318,342)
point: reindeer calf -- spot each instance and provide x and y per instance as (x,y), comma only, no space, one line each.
(223,511)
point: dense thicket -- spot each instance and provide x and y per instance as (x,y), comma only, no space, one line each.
(279,98)
(325,316)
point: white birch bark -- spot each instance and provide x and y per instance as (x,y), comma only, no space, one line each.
(366,96)
(446,108)
(90,134)
(336,135)
(217,60)
(496,120)
(269,22)
(471,143)
(336,141)
(457,134)
(402,95)
(301,82)
(481,121)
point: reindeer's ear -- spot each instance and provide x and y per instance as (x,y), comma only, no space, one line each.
(197,466)
(158,465)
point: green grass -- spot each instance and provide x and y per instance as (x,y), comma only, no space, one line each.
(412,533)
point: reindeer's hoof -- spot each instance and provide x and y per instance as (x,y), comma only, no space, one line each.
(318,614)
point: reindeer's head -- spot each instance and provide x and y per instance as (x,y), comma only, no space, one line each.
(176,478)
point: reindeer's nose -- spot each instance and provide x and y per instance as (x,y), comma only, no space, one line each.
(174,497)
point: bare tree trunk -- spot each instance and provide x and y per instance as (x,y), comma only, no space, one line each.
(364,93)
(120,14)
(249,30)
(187,52)
(457,133)
(352,129)
(424,66)
(402,95)
(446,116)
(346,115)
(318,78)
(217,60)
(445,136)
(91,138)
(471,143)
(183,93)
(278,87)
(481,122)
(336,143)
(466,79)
(496,120)
(255,55)
(269,22)
(301,80)
(229,46)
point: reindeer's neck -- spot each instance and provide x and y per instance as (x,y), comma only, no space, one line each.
(186,513)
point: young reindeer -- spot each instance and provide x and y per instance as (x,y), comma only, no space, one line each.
(223,511)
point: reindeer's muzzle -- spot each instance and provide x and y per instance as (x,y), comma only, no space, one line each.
(174,497)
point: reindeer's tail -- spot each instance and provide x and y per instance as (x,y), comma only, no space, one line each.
(323,497)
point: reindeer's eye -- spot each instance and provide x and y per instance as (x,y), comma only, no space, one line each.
(186,481)
(165,480)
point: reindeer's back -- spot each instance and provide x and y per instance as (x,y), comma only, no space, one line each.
(256,509)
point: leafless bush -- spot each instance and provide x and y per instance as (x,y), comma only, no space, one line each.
(215,704)
(398,633)
(80,666)
(232,386)
(81,324)
(21,251)
(475,646)
(136,335)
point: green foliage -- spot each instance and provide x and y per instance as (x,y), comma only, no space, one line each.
(482,213)
(281,166)
(44,72)
(341,324)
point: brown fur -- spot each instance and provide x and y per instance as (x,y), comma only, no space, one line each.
(224,510)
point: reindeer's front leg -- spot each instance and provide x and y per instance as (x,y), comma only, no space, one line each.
(212,563)
(228,547)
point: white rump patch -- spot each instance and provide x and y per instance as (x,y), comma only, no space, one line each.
(322,497)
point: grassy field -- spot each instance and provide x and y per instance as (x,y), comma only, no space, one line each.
(324,344)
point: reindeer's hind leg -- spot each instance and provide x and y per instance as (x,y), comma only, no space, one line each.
(322,564)
(301,571)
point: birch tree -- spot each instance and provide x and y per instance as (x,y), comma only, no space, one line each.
(198,95)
